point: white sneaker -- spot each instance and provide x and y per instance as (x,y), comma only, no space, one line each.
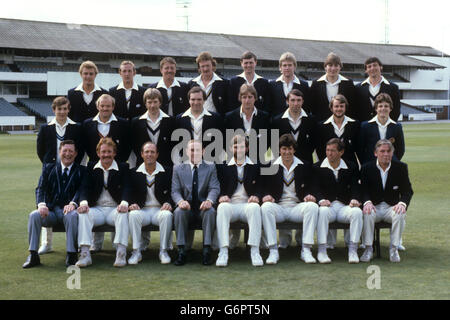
(84,260)
(330,246)
(45,249)
(367,255)
(164,257)
(95,248)
(222,259)
(323,257)
(353,257)
(120,258)
(273,257)
(257,260)
(401,248)
(393,255)
(307,256)
(136,257)
(362,246)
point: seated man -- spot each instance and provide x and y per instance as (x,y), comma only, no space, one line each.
(239,200)
(104,195)
(337,192)
(57,196)
(386,192)
(288,196)
(150,185)
(195,188)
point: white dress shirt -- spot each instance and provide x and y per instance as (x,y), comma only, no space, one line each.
(60,132)
(326,164)
(154,125)
(374,89)
(197,122)
(88,97)
(248,123)
(161,84)
(103,127)
(209,104)
(332,88)
(382,128)
(289,196)
(128,92)
(240,195)
(287,87)
(151,200)
(255,77)
(294,123)
(339,131)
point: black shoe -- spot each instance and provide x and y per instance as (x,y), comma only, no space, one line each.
(181,259)
(71,258)
(32,261)
(206,260)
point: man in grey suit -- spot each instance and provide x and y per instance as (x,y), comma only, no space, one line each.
(195,189)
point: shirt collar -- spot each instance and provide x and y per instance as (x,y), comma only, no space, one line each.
(383,79)
(340,78)
(161,84)
(113,166)
(188,113)
(255,77)
(159,168)
(346,119)
(68,121)
(192,165)
(214,78)
(326,164)
(280,78)
(134,87)
(296,162)
(80,88)
(112,118)
(233,162)
(375,119)
(254,113)
(162,114)
(63,166)
(288,116)
(381,169)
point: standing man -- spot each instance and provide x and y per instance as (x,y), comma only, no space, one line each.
(151,204)
(57,196)
(338,195)
(288,81)
(386,193)
(128,94)
(83,98)
(288,195)
(174,92)
(215,87)
(195,189)
(239,200)
(369,89)
(329,85)
(249,77)
(104,200)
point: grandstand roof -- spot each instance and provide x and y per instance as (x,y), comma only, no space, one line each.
(38,35)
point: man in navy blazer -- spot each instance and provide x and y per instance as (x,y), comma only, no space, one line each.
(285,83)
(83,97)
(104,199)
(386,194)
(57,197)
(128,94)
(329,85)
(369,89)
(380,127)
(249,76)
(215,87)
(174,92)
(106,124)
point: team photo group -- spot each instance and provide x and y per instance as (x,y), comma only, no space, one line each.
(256,151)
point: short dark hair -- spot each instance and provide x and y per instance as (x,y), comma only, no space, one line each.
(238,138)
(66,142)
(295,92)
(287,140)
(248,55)
(338,142)
(195,90)
(382,97)
(60,101)
(372,60)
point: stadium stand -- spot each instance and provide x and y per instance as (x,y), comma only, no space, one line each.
(14,119)
(8,110)
(44,67)
(41,107)
(4,68)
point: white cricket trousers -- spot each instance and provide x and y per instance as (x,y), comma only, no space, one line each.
(151,215)
(246,212)
(384,212)
(273,213)
(98,216)
(342,213)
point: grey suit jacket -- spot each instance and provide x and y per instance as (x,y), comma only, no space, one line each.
(208,184)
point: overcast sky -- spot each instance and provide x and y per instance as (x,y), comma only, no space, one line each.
(414,22)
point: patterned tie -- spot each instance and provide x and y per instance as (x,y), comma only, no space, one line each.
(65,177)
(195,201)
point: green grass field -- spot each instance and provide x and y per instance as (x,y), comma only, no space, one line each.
(424,272)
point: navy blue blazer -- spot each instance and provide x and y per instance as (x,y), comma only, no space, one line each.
(163,184)
(274,184)
(180,102)
(164,144)
(262,88)
(228,178)
(369,136)
(306,141)
(364,110)
(79,110)
(118,184)
(118,131)
(344,189)
(50,189)
(219,94)
(46,142)
(350,137)
(320,106)
(137,106)
(278,98)
(398,187)
(214,121)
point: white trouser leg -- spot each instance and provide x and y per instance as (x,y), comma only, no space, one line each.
(398,225)
(306,212)
(325,216)
(271,213)
(251,214)
(163,219)
(120,221)
(136,220)
(354,216)
(86,221)
(223,219)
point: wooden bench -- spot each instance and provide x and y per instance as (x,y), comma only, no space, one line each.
(244,226)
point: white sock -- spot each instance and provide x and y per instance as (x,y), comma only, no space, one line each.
(323,248)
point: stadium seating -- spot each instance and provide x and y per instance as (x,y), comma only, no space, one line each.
(44,67)
(8,110)
(4,68)
(41,107)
